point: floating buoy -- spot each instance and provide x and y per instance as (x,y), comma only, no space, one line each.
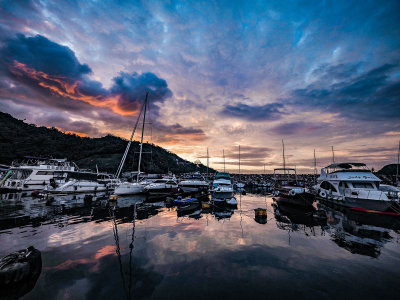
(205,205)
(113,198)
(21,266)
(292,193)
(322,194)
(260,212)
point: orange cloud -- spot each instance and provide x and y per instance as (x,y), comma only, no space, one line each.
(60,86)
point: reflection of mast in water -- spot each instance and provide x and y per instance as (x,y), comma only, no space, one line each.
(118,251)
(241,217)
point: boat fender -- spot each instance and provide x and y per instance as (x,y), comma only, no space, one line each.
(292,193)
(20,265)
(276,193)
(322,194)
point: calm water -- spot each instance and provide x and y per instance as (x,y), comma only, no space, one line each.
(86,250)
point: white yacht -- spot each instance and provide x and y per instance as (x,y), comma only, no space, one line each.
(163,186)
(83,182)
(35,173)
(352,185)
(196,183)
(222,187)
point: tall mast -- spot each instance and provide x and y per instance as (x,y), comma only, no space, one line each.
(315,168)
(397,167)
(283,154)
(333,155)
(239,162)
(223,154)
(121,164)
(264,172)
(141,141)
(207,161)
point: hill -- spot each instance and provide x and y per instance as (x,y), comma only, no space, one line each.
(19,139)
(388,170)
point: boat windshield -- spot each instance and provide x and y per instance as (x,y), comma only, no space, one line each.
(223,176)
(363,185)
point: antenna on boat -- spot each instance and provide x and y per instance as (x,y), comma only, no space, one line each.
(315,168)
(121,164)
(283,154)
(141,141)
(223,154)
(333,155)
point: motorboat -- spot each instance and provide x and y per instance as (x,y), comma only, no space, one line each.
(391,191)
(196,183)
(82,182)
(288,188)
(163,186)
(35,173)
(353,185)
(222,187)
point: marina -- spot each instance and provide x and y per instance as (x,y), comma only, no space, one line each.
(199,150)
(149,248)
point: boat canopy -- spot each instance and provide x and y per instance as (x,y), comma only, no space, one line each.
(346,165)
(222,175)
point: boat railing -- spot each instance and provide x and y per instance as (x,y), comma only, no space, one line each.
(370,194)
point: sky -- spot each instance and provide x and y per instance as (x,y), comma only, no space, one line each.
(220,74)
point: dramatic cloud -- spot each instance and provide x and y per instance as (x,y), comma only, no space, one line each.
(271,111)
(371,96)
(42,64)
(302,128)
(219,73)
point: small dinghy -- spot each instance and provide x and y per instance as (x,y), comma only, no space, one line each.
(185,201)
(232,201)
(19,272)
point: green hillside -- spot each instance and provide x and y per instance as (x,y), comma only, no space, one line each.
(19,139)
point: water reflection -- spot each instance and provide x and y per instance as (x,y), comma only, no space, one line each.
(140,248)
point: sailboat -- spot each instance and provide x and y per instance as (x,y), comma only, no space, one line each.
(288,188)
(132,188)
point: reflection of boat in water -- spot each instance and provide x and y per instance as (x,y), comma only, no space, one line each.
(293,214)
(357,232)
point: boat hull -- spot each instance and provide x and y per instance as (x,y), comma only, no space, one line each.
(162,191)
(191,189)
(222,195)
(303,199)
(129,190)
(378,205)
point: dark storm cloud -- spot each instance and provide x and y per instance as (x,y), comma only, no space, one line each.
(132,89)
(55,72)
(43,55)
(270,111)
(371,95)
(302,128)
